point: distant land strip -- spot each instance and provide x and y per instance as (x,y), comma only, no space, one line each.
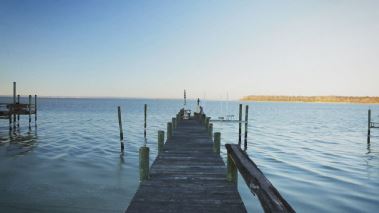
(315,99)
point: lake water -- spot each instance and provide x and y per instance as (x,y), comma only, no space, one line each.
(316,155)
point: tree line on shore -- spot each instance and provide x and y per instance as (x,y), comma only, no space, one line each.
(325,99)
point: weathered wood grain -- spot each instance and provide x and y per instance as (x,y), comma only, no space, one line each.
(187,176)
(268,195)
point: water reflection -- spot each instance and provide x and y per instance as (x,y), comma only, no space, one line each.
(18,142)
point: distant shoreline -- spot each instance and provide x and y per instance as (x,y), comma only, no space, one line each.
(313,99)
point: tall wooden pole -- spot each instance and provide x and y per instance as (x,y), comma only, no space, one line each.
(18,114)
(145,125)
(120,127)
(246,124)
(239,125)
(14,104)
(30,110)
(35,110)
(369,126)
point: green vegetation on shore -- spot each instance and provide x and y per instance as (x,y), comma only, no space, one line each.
(322,99)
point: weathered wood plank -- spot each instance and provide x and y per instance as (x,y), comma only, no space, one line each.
(268,195)
(187,176)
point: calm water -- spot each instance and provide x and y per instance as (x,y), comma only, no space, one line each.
(315,154)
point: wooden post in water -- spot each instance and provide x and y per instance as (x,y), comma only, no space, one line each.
(18,114)
(143,163)
(210,130)
(217,142)
(207,119)
(169,130)
(144,126)
(232,174)
(173,123)
(30,110)
(369,126)
(14,104)
(120,127)
(160,141)
(35,110)
(10,117)
(239,125)
(246,124)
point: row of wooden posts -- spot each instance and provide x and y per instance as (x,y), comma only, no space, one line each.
(16,109)
(371,125)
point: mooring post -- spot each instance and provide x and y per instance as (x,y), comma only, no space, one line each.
(217,142)
(210,130)
(35,110)
(160,141)
(173,123)
(144,126)
(10,117)
(240,126)
(369,126)
(18,114)
(14,105)
(232,175)
(30,110)
(120,127)
(143,163)
(246,124)
(207,119)
(169,130)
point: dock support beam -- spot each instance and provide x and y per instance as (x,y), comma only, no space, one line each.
(169,130)
(144,163)
(217,142)
(160,141)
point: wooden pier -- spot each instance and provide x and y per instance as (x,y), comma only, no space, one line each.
(187,176)
(16,108)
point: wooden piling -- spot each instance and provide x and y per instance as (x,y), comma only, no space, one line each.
(120,127)
(173,123)
(207,119)
(18,114)
(210,130)
(232,174)
(144,163)
(35,110)
(240,125)
(217,142)
(169,130)
(369,126)
(30,110)
(10,118)
(145,125)
(160,141)
(14,104)
(246,124)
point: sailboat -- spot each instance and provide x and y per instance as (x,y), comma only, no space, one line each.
(227,117)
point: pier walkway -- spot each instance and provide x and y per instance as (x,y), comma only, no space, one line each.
(188,176)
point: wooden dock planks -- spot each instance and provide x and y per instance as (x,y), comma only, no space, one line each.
(187,177)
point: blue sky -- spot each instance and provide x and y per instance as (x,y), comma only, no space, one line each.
(156,49)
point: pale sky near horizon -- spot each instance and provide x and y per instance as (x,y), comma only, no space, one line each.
(155,49)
